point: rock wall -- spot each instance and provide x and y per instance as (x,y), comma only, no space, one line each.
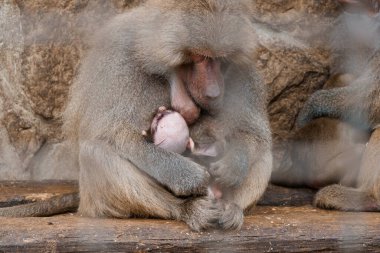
(42,42)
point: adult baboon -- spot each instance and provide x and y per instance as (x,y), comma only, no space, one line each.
(357,41)
(125,78)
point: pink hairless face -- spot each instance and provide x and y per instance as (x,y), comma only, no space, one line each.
(170,131)
(204,82)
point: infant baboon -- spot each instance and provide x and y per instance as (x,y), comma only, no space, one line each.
(206,44)
(169,131)
(358,103)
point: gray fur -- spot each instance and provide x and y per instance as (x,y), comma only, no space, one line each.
(122,82)
(359,104)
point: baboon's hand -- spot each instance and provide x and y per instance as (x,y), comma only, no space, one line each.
(205,213)
(231,170)
(194,181)
(309,110)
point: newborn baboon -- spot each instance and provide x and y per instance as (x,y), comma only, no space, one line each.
(169,131)
(125,78)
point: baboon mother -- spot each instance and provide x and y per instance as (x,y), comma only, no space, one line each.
(126,76)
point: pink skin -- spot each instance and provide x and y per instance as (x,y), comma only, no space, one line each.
(181,100)
(170,132)
(197,84)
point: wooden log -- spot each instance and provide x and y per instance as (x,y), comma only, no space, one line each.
(23,192)
(296,228)
(282,196)
(270,229)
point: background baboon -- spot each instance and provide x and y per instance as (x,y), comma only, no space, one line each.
(365,194)
(356,40)
(357,103)
(325,151)
(123,81)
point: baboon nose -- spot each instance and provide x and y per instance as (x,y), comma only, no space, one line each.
(213,91)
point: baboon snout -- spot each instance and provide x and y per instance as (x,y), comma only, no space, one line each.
(213,91)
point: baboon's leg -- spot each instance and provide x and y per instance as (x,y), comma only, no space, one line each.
(113,187)
(366,196)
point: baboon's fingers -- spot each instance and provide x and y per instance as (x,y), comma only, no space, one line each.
(305,115)
(206,213)
(313,108)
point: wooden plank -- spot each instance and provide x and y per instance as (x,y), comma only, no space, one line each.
(270,229)
(299,228)
(282,196)
(23,192)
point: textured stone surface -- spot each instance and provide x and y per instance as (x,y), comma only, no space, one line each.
(42,42)
(292,59)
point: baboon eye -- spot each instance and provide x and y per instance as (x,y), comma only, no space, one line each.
(224,65)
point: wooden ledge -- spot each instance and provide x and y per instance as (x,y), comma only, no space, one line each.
(272,229)
(296,227)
